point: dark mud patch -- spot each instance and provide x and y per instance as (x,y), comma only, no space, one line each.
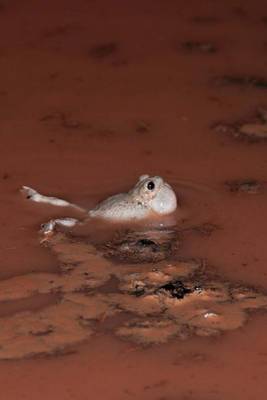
(183,358)
(103,51)
(5,176)
(242,81)
(250,186)
(60,30)
(205,229)
(143,127)
(175,289)
(141,247)
(252,129)
(64,120)
(150,303)
(69,124)
(206,20)
(239,12)
(192,46)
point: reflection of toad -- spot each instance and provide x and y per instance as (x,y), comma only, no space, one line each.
(150,196)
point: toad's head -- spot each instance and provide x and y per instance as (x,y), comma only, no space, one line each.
(155,194)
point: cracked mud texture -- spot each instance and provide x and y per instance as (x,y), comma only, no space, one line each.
(162,300)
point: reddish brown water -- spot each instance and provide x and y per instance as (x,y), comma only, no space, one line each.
(94,94)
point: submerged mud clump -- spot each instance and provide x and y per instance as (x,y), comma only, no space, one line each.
(206,19)
(141,247)
(245,81)
(143,127)
(252,129)
(176,289)
(191,46)
(158,300)
(205,310)
(249,186)
(103,50)
(64,120)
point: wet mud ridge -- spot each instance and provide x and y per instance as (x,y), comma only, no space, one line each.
(148,302)
(249,186)
(252,129)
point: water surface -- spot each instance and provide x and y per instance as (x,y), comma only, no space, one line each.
(94,94)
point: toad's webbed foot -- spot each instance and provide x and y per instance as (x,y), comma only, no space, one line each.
(49,226)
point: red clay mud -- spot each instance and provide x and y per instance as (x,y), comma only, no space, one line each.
(163,300)
(47,69)
(253,129)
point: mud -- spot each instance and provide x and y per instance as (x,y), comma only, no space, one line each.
(64,121)
(202,47)
(246,81)
(249,186)
(145,108)
(141,246)
(253,129)
(103,51)
(162,301)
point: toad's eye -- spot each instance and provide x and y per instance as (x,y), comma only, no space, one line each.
(150,185)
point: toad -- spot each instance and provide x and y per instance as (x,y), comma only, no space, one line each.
(151,196)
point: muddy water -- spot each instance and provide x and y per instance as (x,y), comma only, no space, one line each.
(92,98)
